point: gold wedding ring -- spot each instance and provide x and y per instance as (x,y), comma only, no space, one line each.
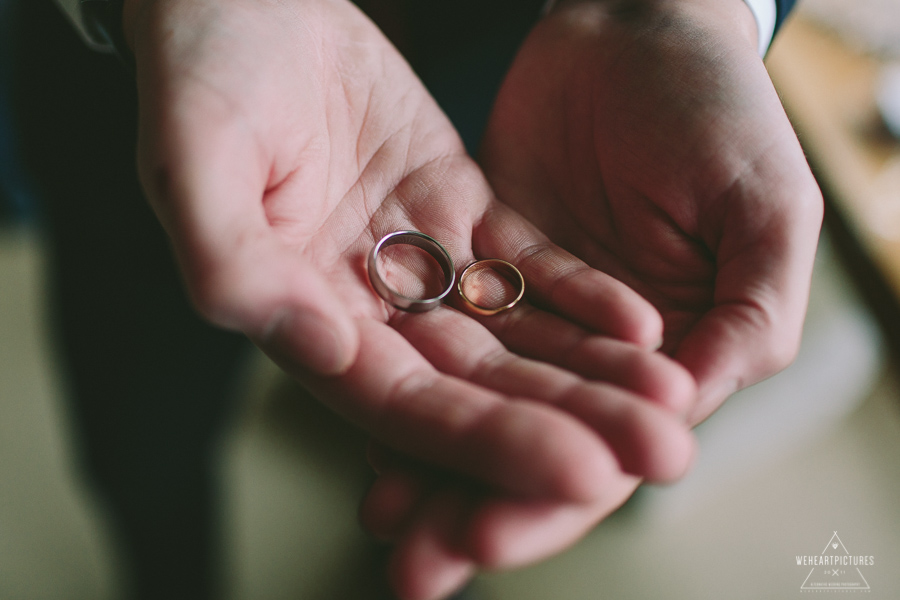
(506,270)
(429,245)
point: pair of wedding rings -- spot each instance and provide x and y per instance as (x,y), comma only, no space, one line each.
(440,254)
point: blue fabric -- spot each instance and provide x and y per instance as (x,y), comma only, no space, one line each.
(784,7)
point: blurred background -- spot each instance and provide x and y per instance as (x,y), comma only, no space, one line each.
(783,466)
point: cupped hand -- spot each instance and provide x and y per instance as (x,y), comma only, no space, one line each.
(646,138)
(445,528)
(279,141)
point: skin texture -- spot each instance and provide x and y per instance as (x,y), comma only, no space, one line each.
(280,140)
(277,143)
(646,138)
(651,143)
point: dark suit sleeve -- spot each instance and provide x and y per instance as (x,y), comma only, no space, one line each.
(783,8)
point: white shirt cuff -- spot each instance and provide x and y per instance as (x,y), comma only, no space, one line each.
(765,13)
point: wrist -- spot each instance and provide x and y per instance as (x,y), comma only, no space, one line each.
(732,16)
(750,25)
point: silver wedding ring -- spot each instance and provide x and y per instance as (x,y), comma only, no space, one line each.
(429,245)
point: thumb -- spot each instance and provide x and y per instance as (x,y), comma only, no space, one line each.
(206,175)
(762,287)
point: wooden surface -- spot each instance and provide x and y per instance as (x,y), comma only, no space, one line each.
(828,90)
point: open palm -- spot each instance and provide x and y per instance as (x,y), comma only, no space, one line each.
(278,143)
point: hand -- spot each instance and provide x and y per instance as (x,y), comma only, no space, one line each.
(445,527)
(278,143)
(646,138)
